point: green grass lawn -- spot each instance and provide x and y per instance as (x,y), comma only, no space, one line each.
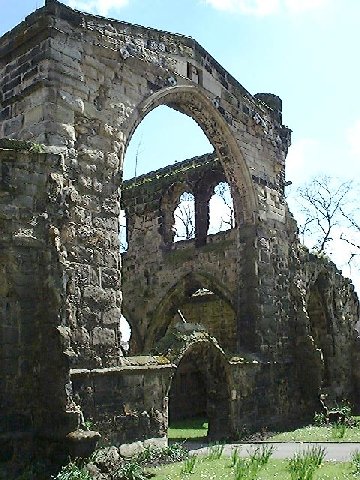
(196,429)
(192,428)
(312,433)
(276,469)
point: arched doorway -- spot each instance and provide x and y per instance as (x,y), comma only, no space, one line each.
(200,388)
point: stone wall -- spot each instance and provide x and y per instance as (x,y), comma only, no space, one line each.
(34,375)
(127,403)
(80,85)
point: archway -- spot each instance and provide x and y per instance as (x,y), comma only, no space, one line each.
(200,389)
(191,101)
(198,298)
(163,137)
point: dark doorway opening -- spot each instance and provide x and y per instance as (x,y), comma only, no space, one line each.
(199,395)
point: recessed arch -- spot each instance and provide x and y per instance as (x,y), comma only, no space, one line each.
(177,295)
(192,101)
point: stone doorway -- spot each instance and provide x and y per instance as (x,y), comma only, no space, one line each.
(200,390)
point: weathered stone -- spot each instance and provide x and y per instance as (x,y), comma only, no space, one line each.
(128,450)
(248,310)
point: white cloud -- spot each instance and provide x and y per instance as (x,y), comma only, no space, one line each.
(101,7)
(297,6)
(353,138)
(249,7)
(265,7)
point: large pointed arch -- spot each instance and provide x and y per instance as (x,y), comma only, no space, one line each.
(168,306)
(192,101)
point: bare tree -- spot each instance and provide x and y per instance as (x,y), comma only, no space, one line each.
(184,216)
(223,191)
(329,213)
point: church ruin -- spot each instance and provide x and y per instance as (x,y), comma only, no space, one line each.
(246,319)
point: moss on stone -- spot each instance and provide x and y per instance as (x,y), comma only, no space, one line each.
(20,145)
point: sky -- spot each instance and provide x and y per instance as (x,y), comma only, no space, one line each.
(305,51)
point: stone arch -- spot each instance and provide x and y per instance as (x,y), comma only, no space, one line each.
(181,290)
(192,101)
(204,190)
(201,385)
(168,204)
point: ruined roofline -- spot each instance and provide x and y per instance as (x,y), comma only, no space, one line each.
(24,30)
(188,41)
(172,170)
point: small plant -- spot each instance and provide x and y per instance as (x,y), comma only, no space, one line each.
(248,468)
(88,425)
(262,455)
(157,455)
(319,419)
(303,465)
(189,465)
(72,471)
(241,471)
(242,433)
(37,148)
(338,430)
(130,470)
(355,460)
(215,451)
(234,457)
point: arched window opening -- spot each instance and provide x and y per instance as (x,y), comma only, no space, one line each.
(125,331)
(123,237)
(158,141)
(184,218)
(221,209)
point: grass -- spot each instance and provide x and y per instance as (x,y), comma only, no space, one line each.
(190,428)
(275,469)
(312,433)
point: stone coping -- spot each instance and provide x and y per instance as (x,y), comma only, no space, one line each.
(140,363)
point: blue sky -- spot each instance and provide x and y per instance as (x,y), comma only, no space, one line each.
(305,51)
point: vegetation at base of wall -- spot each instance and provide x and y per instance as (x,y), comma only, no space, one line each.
(20,145)
(131,470)
(135,468)
(162,455)
(323,431)
(312,433)
(338,430)
(73,471)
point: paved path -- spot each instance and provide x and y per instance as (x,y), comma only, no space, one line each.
(334,451)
